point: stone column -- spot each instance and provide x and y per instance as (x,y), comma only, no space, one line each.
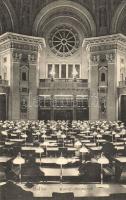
(33,89)
(14,94)
(112,87)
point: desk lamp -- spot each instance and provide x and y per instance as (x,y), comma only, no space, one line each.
(19,161)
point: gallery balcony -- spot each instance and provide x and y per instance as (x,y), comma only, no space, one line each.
(122,84)
(63,83)
(3,83)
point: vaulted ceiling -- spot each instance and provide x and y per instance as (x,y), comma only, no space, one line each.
(30,17)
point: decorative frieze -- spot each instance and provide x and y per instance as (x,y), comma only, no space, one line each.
(32,57)
(5,46)
(109,39)
(19,46)
(121,47)
(110,57)
(103,47)
(96,59)
(107,47)
(23,46)
(20,43)
(105,43)
(17,55)
(22,39)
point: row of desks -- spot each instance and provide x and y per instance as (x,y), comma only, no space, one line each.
(79,190)
(4,159)
(56,149)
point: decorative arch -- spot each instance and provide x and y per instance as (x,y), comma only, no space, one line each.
(12,15)
(117,15)
(80,10)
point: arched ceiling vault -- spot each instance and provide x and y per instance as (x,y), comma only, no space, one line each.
(8,17)
(68,10)
(118,18)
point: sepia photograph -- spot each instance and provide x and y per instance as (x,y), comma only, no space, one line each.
(62,99)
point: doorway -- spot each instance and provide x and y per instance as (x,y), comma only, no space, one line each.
(44,114)
(3,106)
(63,115)
(123,108)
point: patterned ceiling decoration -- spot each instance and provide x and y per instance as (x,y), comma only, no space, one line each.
(8,19)
(71,10)
(98,17)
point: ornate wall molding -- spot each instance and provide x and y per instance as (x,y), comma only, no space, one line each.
(95,59)
(99,59)
(32,58)
(106,44)
(110,57)
(121,47)
(21,39)
(105,40)
(19,43)
(17,56)
(103,47)
(5,46)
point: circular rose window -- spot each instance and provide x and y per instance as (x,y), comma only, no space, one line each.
(64,41)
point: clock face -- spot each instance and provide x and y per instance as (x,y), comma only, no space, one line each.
(64,41)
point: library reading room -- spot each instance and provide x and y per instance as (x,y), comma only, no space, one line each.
(62,99)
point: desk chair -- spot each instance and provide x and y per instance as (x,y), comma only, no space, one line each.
(32,173)
(109,150)
(90,172)
(63,151)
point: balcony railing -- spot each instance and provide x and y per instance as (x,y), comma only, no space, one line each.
(122,84)
(103,84)
(63,83)
(3,82)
